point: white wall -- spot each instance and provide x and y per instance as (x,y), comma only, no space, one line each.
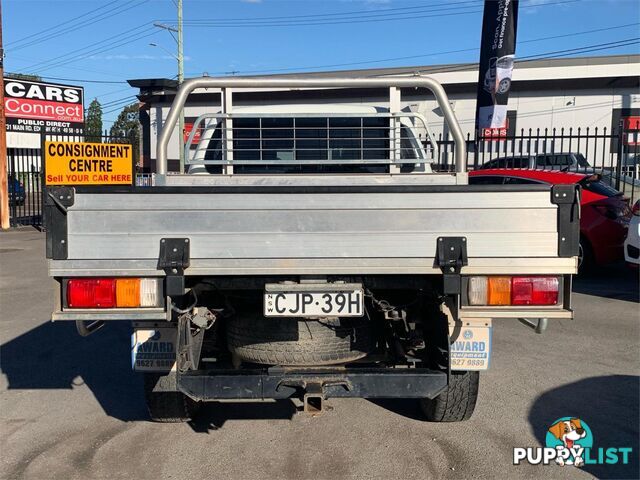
(535,109)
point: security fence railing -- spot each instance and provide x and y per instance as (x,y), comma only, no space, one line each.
(612,154)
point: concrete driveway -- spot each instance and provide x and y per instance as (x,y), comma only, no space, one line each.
(70,407)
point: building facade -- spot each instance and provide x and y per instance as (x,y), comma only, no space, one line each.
(562,94)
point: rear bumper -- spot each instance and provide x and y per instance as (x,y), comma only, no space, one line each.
(281,383)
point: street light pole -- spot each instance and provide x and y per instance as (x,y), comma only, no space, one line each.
(180,58)
(180,80)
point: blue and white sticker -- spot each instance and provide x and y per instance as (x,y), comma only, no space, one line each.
(471,347)
(153,350)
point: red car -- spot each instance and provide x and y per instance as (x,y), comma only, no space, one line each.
(605,212)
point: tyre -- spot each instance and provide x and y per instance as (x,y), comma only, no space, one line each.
(167,406)
(457,402)
(292,341)
(504,85)
(586,259)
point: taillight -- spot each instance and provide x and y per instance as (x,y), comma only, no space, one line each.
(613,211)
(636,208)
(91,293)
(534,290)
(503,290)
(112,292)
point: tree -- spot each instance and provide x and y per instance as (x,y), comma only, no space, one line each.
(93,122)
(127,126)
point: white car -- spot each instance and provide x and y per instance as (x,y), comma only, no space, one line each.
(497,79)
(632,243)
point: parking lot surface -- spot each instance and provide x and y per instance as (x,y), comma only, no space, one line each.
(70,407)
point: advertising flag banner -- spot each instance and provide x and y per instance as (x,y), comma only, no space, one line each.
(497,52)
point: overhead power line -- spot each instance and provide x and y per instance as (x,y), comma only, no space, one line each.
(32,36)
(84,24)
(145,27)
(573,51)
(432,54)
(442,7)
(128,98)
(96,51)
(547,55)
(333,14)
(426,12)
(118,108)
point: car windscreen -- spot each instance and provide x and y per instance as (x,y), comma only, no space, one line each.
(600,187)
(507,162)
(582,162)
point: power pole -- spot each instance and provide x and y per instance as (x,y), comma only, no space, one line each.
(4,180)
(180,80)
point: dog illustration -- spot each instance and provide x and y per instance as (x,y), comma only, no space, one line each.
(568,431)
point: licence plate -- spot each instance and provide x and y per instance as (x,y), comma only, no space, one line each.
(347,303)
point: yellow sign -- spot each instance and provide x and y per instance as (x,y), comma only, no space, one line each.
(79,163)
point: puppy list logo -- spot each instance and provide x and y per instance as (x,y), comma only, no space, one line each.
(569,441)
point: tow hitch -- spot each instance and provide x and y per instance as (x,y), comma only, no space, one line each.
(313,399)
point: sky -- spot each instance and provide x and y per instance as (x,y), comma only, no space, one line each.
(99,44)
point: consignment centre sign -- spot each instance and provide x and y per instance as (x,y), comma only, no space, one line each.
(79,163)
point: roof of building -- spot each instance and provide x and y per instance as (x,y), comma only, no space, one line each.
(598,71)
(462,67)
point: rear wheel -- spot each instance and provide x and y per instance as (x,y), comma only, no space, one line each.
(167,406)
(457,402)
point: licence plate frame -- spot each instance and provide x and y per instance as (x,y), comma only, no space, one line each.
(313,300)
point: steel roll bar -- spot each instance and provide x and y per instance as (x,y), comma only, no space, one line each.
(388,82)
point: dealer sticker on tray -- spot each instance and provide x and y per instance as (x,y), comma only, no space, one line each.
(153,350)
(470,346)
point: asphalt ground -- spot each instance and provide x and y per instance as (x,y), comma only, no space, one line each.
(70,407)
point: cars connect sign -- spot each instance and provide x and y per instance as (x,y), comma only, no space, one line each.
(36,107)
(80,163)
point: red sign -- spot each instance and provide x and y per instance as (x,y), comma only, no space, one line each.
(188,127)
(496,133)
(631,123)
(43,110)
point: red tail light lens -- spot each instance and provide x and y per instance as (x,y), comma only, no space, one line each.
(534,290)
(91,293)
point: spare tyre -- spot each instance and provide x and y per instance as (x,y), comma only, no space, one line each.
(295,341)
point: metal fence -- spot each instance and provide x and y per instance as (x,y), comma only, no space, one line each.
(612,154)
(25,178)
(24,186)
